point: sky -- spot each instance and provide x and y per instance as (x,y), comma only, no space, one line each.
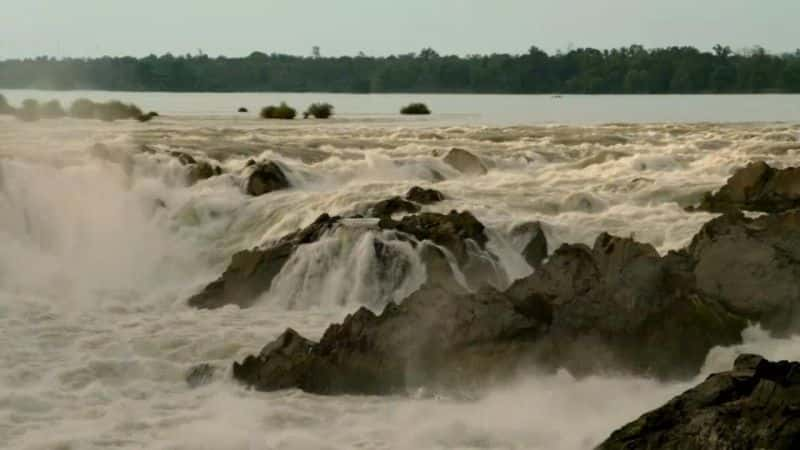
(88,28)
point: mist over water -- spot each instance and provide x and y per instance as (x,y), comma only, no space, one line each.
(103,245)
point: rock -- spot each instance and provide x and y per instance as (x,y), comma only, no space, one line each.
(617,306)
(243,110)
(756,187)
(448,230)
(251,272)
(754,406)
(394,205)
(265,178)
(424,196)
(752,266)
(184,158)
(202,171)
(535,248)
(465,162)
(433,338)
(200,375)
(147,117)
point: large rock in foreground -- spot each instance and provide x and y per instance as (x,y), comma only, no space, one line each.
(757,187)
(616,306)
(752,266)
(432,339)
(754,406)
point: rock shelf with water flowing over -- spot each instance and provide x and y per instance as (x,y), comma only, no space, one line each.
(199,282)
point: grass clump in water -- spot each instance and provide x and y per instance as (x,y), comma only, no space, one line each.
(415,109)
(282,111)
(319,111)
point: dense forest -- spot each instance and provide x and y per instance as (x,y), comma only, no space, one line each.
(625,70)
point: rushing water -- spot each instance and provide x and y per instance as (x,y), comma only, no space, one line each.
(102,246)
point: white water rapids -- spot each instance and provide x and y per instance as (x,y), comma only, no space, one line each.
(101,247)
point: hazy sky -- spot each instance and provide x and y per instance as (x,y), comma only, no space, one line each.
(380,27)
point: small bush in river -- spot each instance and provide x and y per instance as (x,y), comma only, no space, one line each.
(319,110)
(282,111)
(52,110)
(29,111)
(415,108)
(5,108)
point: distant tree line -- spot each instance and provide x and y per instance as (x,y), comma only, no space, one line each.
(586,70)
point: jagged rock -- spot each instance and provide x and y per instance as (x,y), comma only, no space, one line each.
(394,205)
(754,406)
(184,158)
(433,338)
(535,249)
(202,171)
(251,272)
(465,162)
(265,178)
(448,230)
(424,196)
(619,304)
(752,266)
(200,375)
(756,187)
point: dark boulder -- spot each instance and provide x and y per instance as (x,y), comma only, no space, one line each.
(752,266)
(618,305)
(202,171)
(465,162)
(265,178)
(424,196)
(754,406)
(243,110)
(434,338)
(251,272)
(534,248)
(756,187)
(394,205)
(200,375)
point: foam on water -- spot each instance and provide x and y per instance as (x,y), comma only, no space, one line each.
(101,248)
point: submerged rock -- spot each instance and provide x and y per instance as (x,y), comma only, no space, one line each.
(424,196)
(394,205)
(756,187)
(200,375)
(465,162)
(265,178)
(753,406)
(251,272)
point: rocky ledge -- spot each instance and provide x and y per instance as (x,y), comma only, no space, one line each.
(754,406)
(458,239)
(756,187)
(615,306)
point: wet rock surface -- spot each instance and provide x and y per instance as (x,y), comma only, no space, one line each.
(424,196)
(394,205)
(465,162)
(251,272)
(200,375)
(754,406)
(535,247)
(752,266)
(756,187)
(265,178)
